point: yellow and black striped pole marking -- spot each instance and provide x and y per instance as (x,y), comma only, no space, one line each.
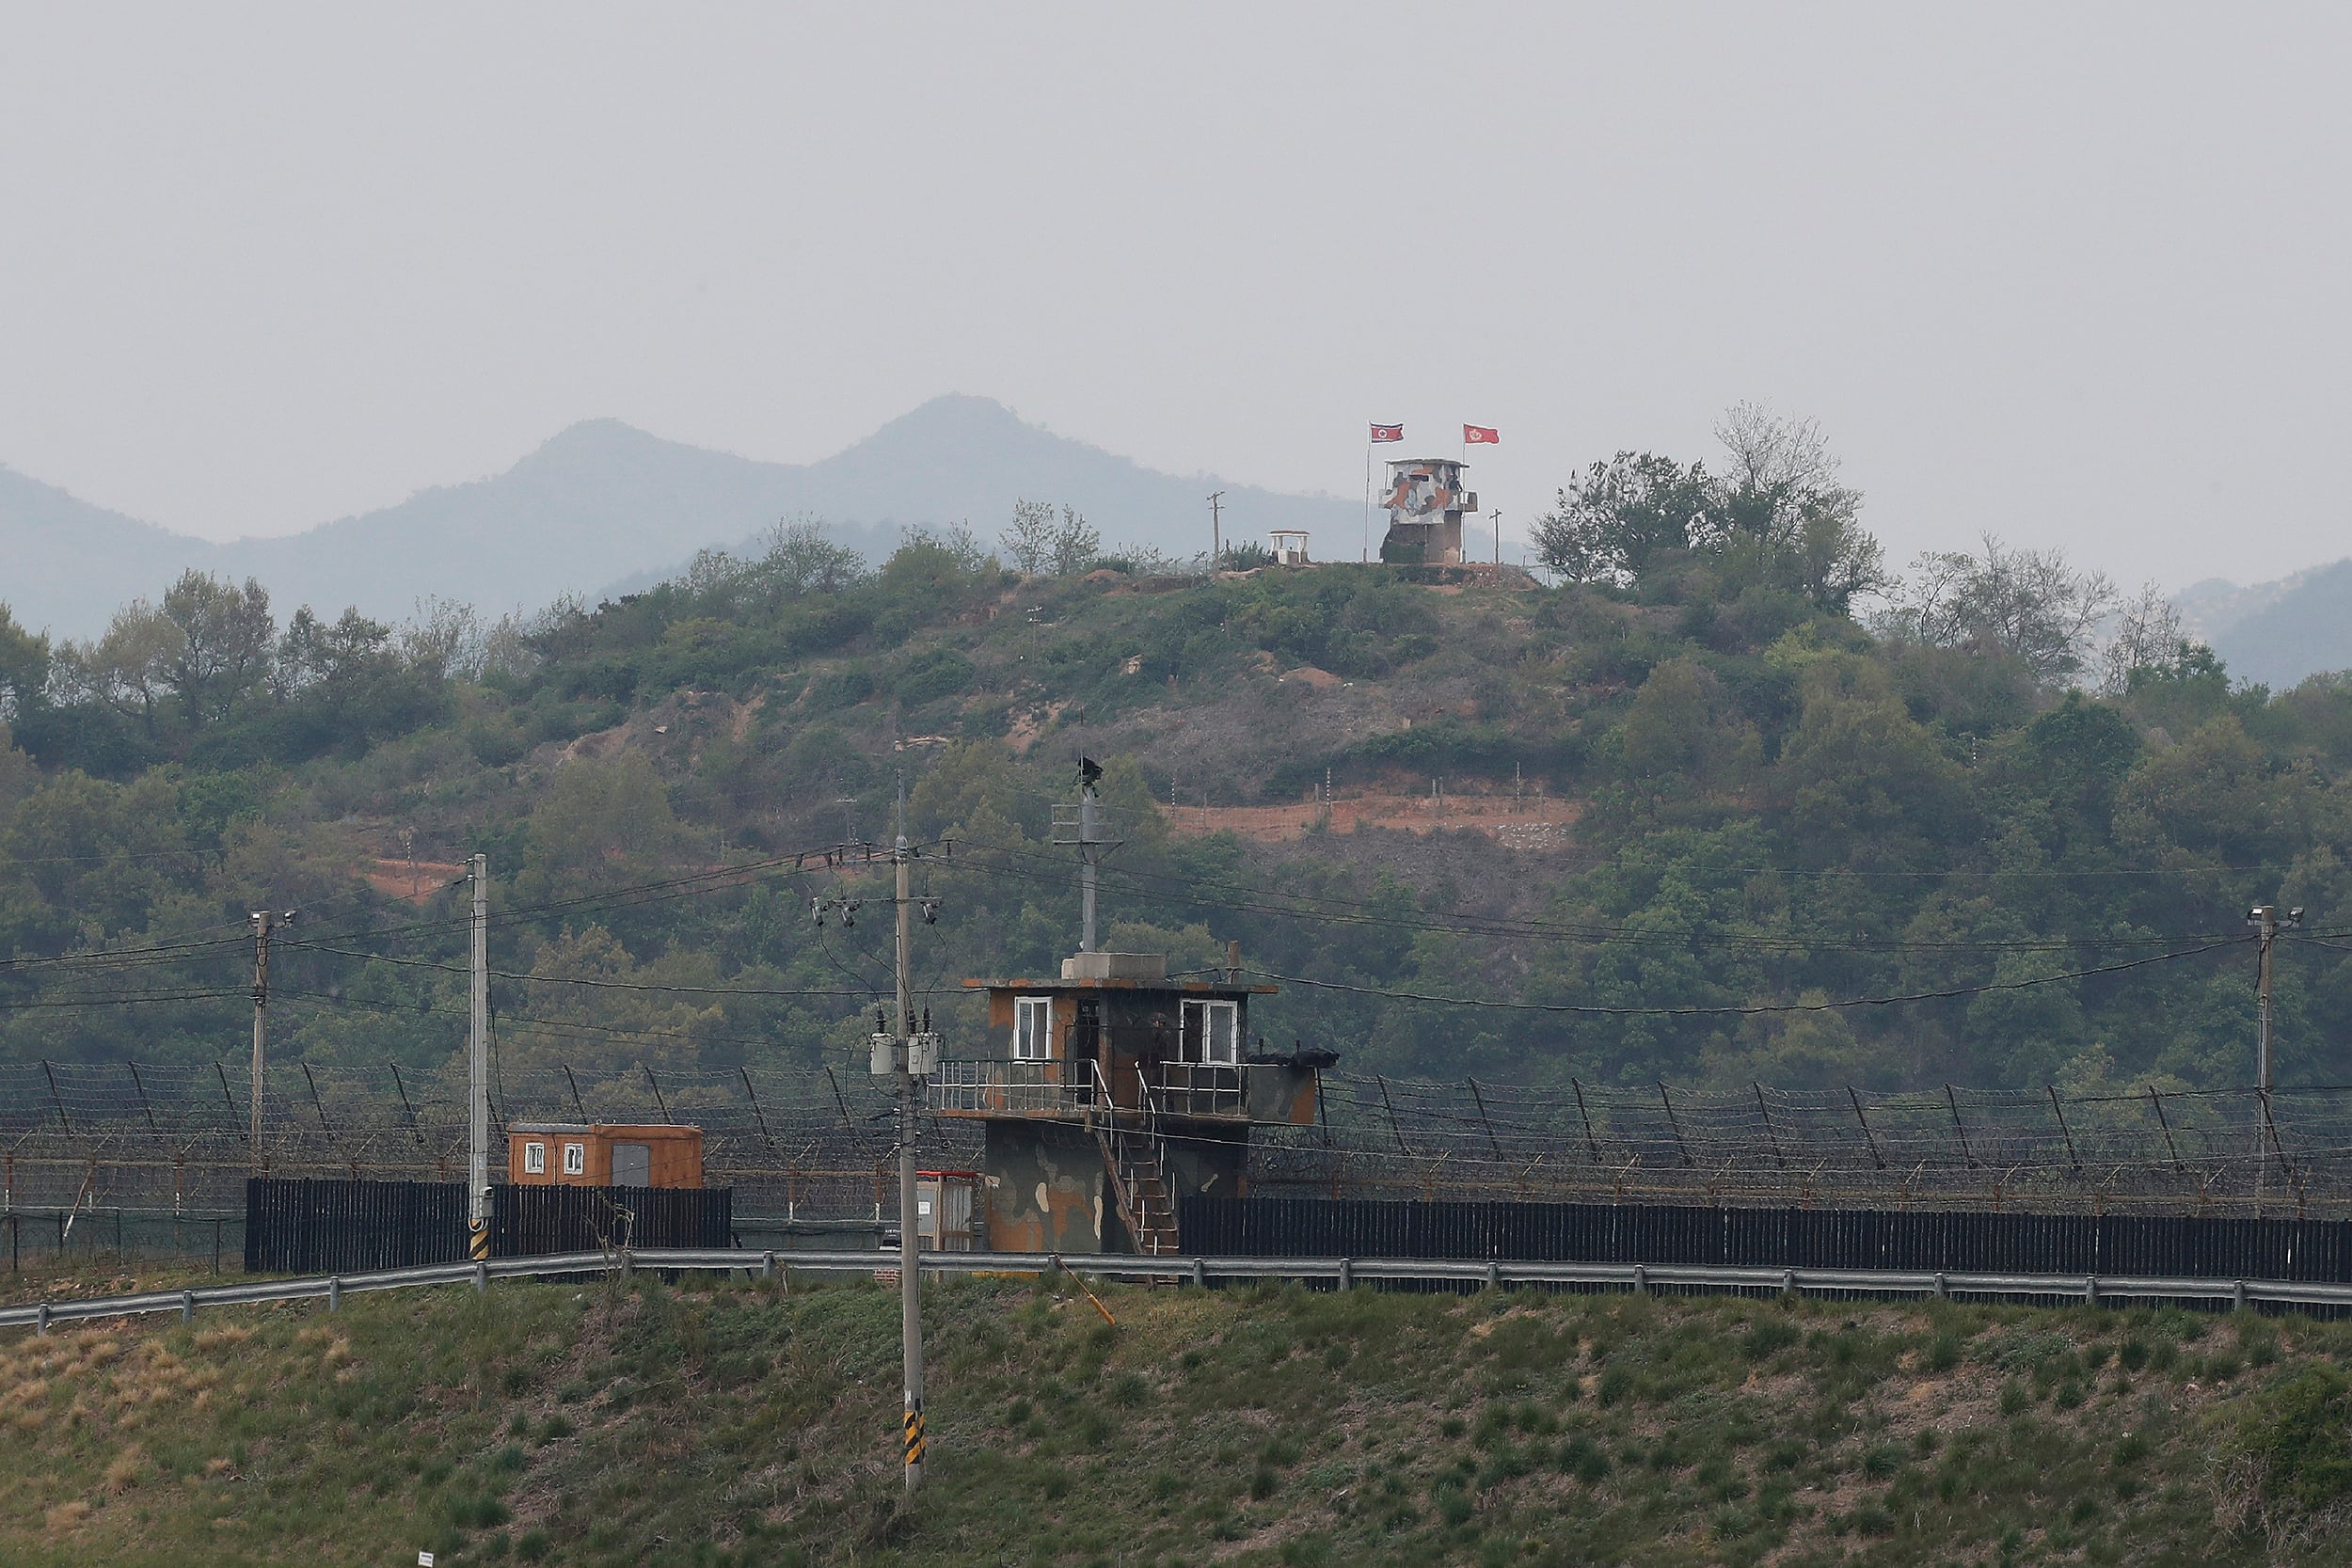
(914,1434)
(478,1242)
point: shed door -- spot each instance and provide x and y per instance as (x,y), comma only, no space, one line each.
(632,1164)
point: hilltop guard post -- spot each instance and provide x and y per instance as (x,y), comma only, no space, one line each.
(1427,502)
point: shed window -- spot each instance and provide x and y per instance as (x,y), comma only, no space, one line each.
(1211,1032)
(536,1159)
(575,1158)
(1032,1028)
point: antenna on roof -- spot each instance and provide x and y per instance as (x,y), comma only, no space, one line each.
(1084,825)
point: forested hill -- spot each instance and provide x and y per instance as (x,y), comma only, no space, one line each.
(1666,808)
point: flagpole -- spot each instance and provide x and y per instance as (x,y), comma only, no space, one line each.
(1367,548)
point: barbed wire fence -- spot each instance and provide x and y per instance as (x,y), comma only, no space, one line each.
(818,1143)
(2153,1151)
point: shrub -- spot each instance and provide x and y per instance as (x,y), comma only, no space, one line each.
(1580,1457)
(2299,1430)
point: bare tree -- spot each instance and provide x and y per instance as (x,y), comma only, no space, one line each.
(2147,637)
(2032,604)
(1769,452)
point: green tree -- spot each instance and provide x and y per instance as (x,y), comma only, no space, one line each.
(24,666)
(225,636)
(604,823)
(1622,516)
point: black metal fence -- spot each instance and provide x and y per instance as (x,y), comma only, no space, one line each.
(343,1226)
(527,1222)
(1960,1240)
(300,1226)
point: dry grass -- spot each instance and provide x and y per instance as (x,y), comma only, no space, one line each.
(739,1426)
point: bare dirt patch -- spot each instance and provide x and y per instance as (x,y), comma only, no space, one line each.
(413,882)
(1533,823)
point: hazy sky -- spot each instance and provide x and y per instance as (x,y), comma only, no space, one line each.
(2075,275)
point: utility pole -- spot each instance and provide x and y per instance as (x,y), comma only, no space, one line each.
(478,1073)
(1217,530)
(1089,840)
(908,1054)
(263,924)
(2267,924)
(1496,517)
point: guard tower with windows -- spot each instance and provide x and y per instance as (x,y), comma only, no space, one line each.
(1427,502)
(1111,1090)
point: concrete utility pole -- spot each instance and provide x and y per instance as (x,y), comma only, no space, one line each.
(1496,517)
(478,1071)
(910,1234)
(907,1054)
(2267,924)
(1217,530)
(1084,828)
(263,924)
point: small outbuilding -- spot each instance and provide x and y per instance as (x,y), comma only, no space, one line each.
(601,1154)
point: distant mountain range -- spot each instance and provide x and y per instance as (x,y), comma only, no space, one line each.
(2276,633)
(602,507)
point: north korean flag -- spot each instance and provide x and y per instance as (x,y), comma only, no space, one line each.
(1388,433)
(1479,436)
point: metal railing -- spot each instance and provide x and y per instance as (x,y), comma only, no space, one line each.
(2093,1290)
(1204,1088)
(1006,1088)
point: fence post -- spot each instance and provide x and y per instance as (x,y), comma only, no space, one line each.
(1869,1139)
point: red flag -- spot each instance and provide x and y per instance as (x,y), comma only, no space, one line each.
(1479,436)
(1388,433)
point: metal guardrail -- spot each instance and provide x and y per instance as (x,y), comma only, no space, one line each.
(1343,1272)
(1002,1087)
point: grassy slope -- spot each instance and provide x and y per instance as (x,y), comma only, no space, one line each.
(597,1424)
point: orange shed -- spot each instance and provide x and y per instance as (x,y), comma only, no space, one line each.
(583,1154)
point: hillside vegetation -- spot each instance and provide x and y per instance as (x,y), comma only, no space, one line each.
(1791,777)
(743,1425)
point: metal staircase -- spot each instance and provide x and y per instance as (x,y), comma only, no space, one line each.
(1136,1160)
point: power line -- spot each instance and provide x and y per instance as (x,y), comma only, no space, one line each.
(1353,912)
(1746,1009)
(124,999)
